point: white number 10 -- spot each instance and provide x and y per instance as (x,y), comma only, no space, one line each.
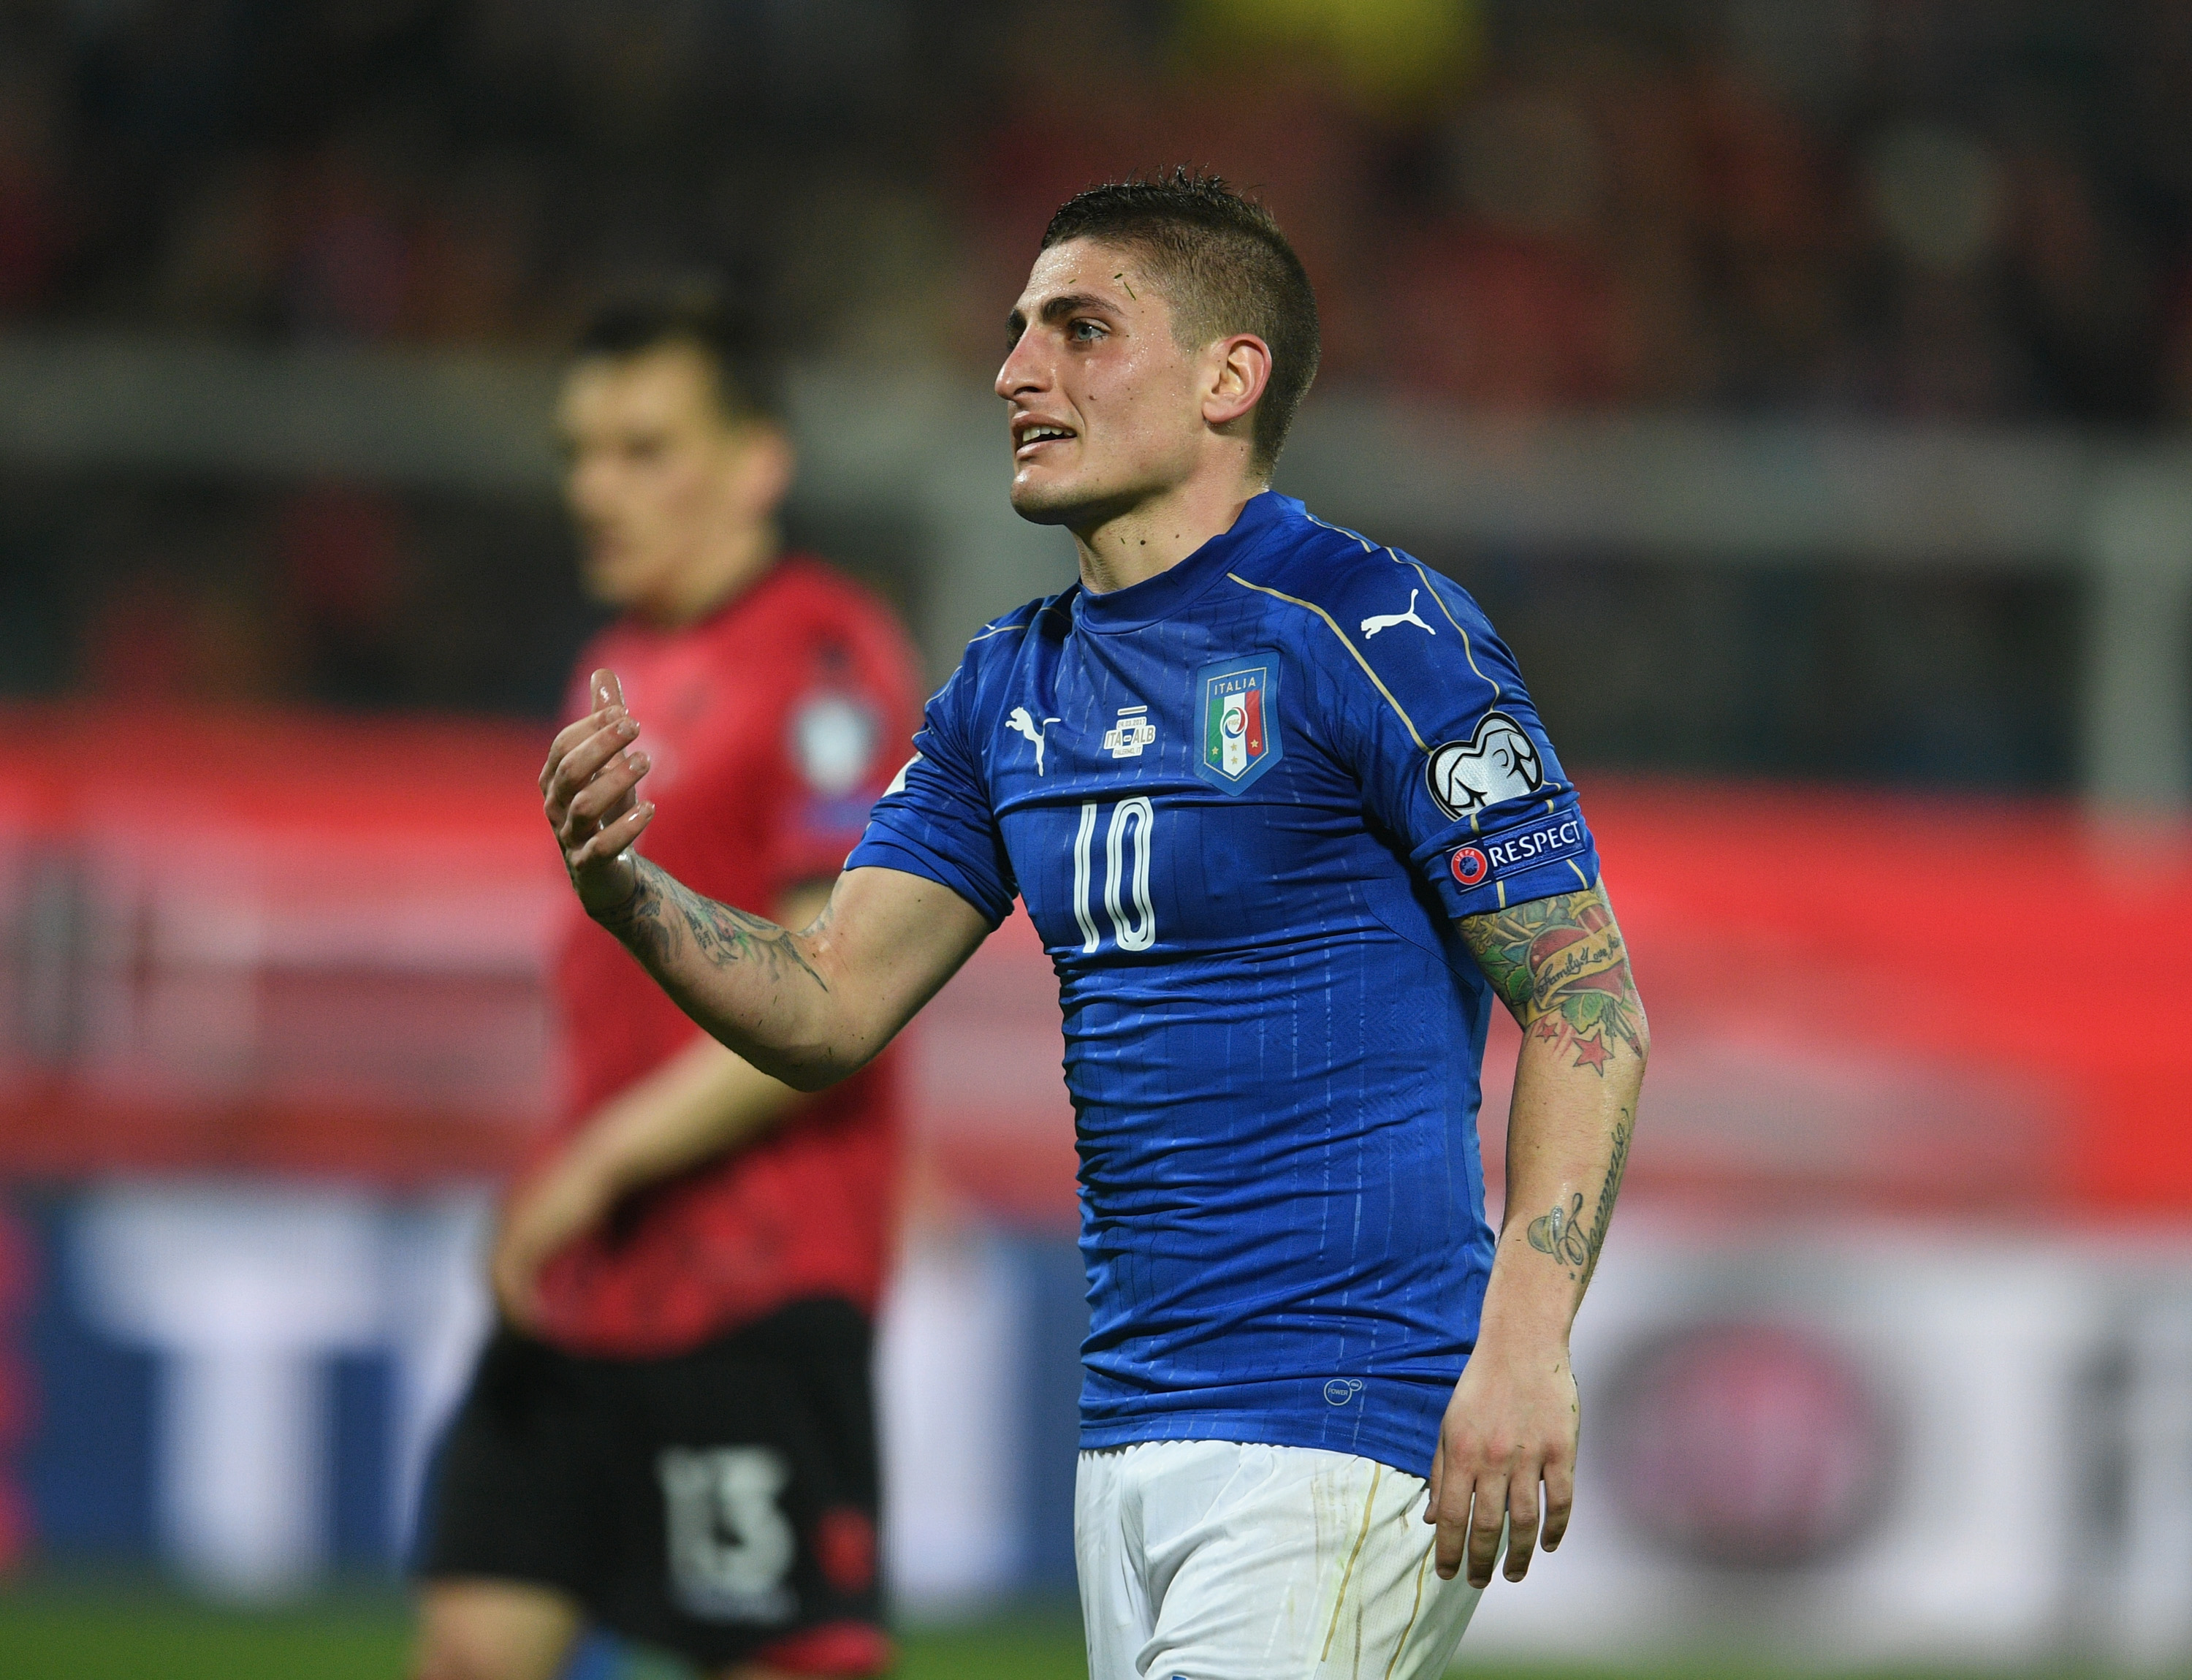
(1140,933)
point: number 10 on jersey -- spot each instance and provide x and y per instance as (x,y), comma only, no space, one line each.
(1132,821)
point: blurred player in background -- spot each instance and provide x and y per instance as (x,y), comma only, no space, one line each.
(1284,813)
(670,1434)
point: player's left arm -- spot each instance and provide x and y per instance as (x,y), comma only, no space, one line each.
(703,1102)
(1559,965)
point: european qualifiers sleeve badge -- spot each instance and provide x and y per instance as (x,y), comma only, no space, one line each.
(1237,733)
(1499,762)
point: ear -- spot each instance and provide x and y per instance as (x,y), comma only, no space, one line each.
(1238,371)
(763,470)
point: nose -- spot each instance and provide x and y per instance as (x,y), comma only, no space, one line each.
(1026,368)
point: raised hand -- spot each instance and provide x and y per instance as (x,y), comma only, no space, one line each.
(590,785)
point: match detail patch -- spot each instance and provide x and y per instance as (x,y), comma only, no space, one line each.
(1546,841)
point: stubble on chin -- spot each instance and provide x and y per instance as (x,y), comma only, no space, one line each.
(1041,504)
(1076,503)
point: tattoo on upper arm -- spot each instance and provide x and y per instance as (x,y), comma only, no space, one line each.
(1559,1230)
(1561,966)
(663,912)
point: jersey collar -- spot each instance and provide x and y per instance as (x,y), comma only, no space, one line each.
(1159,597)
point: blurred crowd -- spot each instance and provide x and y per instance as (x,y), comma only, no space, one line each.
(1905,208)
(1911,207)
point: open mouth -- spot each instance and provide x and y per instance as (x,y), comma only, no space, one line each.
(1029,436)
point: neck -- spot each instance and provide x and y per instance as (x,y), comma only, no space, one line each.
(1122,548)
(724,569)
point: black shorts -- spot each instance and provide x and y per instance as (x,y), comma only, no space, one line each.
(721,1503)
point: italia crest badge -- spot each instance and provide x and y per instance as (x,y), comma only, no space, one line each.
(1238,736)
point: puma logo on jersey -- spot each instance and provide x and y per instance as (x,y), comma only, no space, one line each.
(1378,621)
(1021,723)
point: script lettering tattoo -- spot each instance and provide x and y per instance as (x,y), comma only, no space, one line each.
(663,912)
(1560,967)
(1602,1216)
(1559,1230)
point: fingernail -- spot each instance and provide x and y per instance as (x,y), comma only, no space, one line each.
(626,728)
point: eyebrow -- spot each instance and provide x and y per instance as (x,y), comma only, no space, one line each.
(1057,309)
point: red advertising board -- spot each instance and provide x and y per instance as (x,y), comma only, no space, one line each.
(240,941)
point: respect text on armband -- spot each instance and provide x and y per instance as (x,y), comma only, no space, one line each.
(1546,842)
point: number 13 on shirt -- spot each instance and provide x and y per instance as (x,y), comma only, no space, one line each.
(1132,823)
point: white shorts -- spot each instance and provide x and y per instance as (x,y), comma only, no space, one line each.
(1211,1560)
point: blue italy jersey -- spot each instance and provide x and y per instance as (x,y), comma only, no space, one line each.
(1243,800)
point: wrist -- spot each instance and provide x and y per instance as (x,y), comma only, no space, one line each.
(1520,1336)
(618,917)
(1538,1318)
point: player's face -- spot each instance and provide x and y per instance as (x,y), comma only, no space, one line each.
(662,484)
(1105,409)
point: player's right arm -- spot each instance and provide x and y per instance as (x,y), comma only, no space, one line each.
(808,1007)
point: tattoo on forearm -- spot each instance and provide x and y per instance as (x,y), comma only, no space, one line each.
(663,912)
(1558,1233)
(1559,1230)
(1616,1165)
(1561,965)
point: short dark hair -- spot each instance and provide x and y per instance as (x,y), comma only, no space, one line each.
(1225,268)
(748,374)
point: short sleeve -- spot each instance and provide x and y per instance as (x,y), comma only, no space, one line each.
(935,819)
(1453,758)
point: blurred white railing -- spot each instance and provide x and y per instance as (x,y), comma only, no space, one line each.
(923,450)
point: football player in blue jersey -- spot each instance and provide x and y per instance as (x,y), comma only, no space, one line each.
(1280,807)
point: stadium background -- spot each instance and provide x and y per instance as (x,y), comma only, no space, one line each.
(1802,386)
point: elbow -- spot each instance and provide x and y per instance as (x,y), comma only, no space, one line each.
(816,1067)
(809,1079)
